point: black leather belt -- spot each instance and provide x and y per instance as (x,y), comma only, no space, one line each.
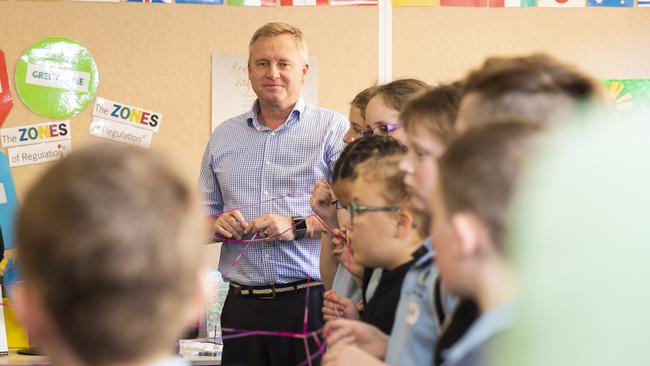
(272,291)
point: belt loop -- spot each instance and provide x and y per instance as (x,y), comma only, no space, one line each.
(273,288)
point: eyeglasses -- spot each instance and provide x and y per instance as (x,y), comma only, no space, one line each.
(383,130)
(357,208)
(338,205)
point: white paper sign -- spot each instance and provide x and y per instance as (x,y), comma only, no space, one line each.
(39,153)
(120,132)
(232,94)
(126,114)
(55,77)
(35,134)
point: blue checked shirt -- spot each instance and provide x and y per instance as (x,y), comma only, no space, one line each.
(246,163)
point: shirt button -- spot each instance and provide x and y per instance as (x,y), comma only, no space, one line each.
(268,163)
(266,193)
(272,133)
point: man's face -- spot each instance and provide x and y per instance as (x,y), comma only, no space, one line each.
(276,71)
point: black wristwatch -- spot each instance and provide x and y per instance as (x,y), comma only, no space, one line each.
(299,227)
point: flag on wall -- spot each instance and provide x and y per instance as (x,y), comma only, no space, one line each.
(252,2)
(561,3)
(415,2)
(465,3)
(612,3)
(513,3)
(302,2)
(352,2)
(151,1)
(643,3)
(215,2)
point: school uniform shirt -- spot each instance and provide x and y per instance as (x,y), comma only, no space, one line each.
(417,322)
(478,336)
(380,310)
(466,312)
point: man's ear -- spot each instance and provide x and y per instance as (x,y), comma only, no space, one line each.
(305,71)
(471,232)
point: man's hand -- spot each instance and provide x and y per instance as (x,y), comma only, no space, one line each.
(336,306)
(272,227)
(230,224)
(365,336)
(321,202)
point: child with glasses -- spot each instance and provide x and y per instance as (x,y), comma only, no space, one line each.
(384,233)
(339,271)
(382,112)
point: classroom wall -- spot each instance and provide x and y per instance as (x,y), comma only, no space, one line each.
(441,44)
(158,57)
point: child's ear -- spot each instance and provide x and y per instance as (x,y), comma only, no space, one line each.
(405,223)
(29,312)
(470,231)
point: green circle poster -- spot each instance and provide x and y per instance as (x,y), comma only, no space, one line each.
(56,77)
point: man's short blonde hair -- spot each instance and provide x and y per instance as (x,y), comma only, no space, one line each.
(277,29)
(109,241)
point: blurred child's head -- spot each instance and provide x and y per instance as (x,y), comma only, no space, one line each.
(537,88)
(383,225)
(477,176)
(109,243)
(429,125)
(382,112)
(355,153)
(358,127)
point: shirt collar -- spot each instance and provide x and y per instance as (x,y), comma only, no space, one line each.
(294,116)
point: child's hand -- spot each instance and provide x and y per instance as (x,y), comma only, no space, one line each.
(365,336)
(336,306)
(343,255)
(321,202)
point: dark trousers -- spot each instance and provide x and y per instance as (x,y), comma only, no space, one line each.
(284,313)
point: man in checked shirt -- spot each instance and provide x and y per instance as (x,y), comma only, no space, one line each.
(256,177)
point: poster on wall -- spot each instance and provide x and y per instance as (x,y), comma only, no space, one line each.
(56,77)
(36,144)
(6,101)
(124,123)
(630,95)
(232,94)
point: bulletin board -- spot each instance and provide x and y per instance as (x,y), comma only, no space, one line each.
(158,57)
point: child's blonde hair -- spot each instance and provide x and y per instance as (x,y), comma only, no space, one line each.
(435,111)
(109,242)
(385,171)
(397,93)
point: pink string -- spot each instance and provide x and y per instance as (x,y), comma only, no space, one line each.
(255,204)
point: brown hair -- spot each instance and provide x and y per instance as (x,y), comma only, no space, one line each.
(397,93)
(109,241)
(435,111)
(361,100)
(538,88)
(478,172)
(277,29)
(385,171)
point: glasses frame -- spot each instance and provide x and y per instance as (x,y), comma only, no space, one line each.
(360,208)
(385,129)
